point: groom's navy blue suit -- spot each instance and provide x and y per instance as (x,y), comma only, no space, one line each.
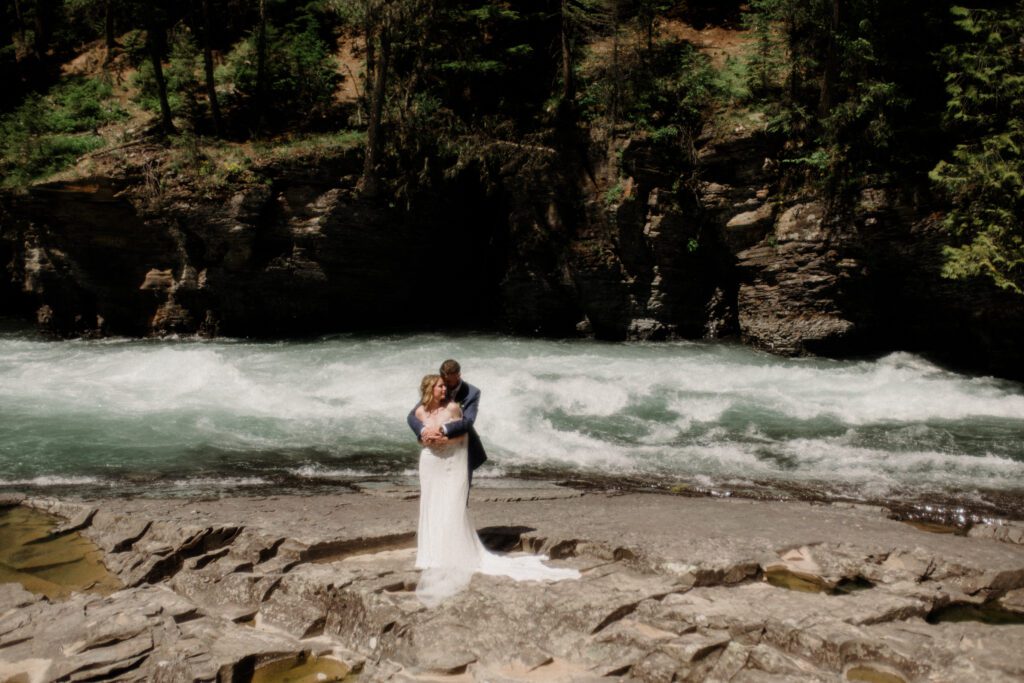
(468,397)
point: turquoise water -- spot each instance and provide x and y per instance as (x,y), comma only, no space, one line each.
(162,417)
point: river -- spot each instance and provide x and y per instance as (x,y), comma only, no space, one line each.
(186,417)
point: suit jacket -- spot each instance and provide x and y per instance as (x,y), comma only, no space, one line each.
(468,397)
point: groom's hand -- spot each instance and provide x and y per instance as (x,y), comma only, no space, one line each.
(431,435)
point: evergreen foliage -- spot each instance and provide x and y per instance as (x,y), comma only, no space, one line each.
(301,76)
(766,57)
(855,88)
(664,90)
(857,92)
(184,86)
(48,132)
(984,175)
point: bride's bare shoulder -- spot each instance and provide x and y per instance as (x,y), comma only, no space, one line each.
(454,409)
(421,413)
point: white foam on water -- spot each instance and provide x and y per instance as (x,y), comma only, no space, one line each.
(832,459)
(699,409)
(665,433)
(321,472)
(54,480)
(543,444)
(219,482)
(688,409)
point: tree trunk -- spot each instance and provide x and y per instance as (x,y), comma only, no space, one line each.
(425,20)
(211,89)
(616,76)
(155,40)
(43,27)
(828,81)
(261,67)
(794,69)
(371,171)
(19,30)
(108,24)
(568,86)
(646,14)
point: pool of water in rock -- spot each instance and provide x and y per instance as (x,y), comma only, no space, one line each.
(781,577)
(44,561)
(304,668)
(992,614)
(866,674)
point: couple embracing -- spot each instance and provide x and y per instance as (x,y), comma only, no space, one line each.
(451,413)
(448,549)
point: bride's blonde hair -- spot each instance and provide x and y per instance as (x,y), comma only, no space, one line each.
(427,388)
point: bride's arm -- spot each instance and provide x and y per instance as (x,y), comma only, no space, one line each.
(418,417)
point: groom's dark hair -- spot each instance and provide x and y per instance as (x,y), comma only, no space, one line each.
(450,367)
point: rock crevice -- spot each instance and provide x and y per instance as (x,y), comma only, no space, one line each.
(661,605)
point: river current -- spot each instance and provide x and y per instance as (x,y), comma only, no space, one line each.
(185,417)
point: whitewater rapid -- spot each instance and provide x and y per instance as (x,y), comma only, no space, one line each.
(179,416)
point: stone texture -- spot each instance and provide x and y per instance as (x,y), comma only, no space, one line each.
(647,244)
(223,586)
(296,254)
(1000,530)
(788,293)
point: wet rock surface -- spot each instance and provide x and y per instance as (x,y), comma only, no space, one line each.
(50,558)
(673,589)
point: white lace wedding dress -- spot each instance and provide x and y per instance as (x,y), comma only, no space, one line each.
(448,549)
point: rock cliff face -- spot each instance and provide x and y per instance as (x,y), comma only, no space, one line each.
(636,242)
(868,281)
(294,254)
(789,274)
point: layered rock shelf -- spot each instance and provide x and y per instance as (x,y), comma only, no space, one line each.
(648,244)
(673,588)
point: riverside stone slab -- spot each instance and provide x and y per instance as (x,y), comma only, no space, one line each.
(140,634)
(672,589)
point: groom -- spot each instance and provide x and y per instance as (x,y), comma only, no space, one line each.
(468,398)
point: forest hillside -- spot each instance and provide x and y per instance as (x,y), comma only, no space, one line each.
(836,177)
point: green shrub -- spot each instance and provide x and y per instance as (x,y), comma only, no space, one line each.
(301,76)
(82,104)
(147,95)
(665,89)
(185,76)
(665,134)
(614,194)
(766,54)
(133,43)
(49,132)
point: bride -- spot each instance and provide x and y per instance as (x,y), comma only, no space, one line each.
(448,549)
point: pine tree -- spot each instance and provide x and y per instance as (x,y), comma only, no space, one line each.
(382,23)
(579,19)
(156,43)
(211,88)
(984,178)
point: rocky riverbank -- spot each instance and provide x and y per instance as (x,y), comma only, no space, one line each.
(673,588)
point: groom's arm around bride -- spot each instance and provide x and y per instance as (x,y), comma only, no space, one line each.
(468,397)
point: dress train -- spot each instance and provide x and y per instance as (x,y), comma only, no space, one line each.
(448,549)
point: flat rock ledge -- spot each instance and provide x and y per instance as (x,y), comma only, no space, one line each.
(672,589)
